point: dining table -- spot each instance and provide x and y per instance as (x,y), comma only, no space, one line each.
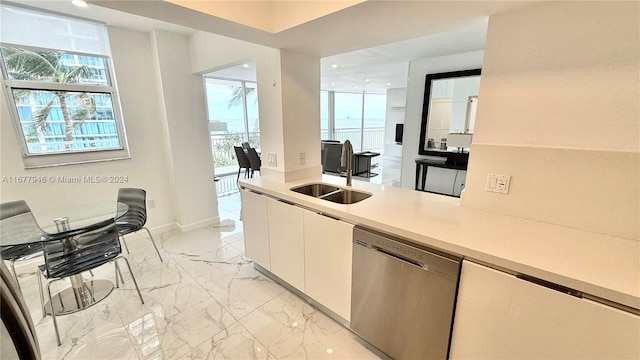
(64,223)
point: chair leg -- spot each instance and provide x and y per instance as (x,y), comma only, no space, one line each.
(39,275)
(132,277)
(154,243)
(118,272)
(15,275)
(124,242)
(53,314)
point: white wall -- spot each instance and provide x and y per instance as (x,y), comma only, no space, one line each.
(288,98)
(147,167)
(185,129)
(559,111)
(396,102)
(300,114)
(418,69)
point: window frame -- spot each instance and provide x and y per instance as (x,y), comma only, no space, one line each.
(68,157)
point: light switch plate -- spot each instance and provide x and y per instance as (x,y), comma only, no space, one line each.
(272,159)
(498,183)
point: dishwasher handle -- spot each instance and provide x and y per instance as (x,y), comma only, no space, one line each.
(432,261)
(399,257)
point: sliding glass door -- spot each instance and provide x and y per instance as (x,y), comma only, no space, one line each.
(232,108)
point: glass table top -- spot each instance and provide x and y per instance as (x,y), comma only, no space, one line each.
(41,225)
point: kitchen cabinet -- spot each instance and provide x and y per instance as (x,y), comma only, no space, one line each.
(256,228)
(328,250)
(500,316)
(286,242)
(309,251)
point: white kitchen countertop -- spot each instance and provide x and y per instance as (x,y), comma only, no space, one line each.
(597,264)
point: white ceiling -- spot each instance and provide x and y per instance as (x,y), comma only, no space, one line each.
(373,40)
(374,70)
(387,66)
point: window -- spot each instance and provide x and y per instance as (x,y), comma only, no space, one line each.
(358,117)
(324,115)
(58,81)
(348,118)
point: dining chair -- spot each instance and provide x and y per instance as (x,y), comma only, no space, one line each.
(75,252)
(245,145)
(136,217)
(24,225)
(254,160)
(243,161)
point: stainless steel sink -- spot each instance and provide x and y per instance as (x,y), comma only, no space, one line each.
(315,189)
(346,196)
(331,193)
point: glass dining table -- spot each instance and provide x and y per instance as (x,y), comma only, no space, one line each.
(63,223)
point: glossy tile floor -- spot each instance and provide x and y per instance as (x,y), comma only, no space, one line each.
(205,301)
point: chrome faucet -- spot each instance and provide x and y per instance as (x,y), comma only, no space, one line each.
(346,159)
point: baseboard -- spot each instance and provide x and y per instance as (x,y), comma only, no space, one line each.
(198,224)
(158,231)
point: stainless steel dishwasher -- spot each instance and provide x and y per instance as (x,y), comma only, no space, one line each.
(403,298)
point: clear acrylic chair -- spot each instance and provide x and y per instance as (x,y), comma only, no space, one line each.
(74,252)
(21,225)
(136,217)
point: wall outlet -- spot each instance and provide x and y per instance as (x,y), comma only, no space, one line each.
(498,183)
(302,158)
(272,159)
(151,204)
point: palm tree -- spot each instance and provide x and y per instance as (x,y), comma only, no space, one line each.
(23,64)
(237,96)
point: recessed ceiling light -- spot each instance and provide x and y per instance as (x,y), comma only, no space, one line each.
(355,87)
(245,65)
(388,84)
(367,80)
(79,3)
(333,84)
(334,66)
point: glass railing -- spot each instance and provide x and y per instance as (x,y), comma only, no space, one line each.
(224,157)
(370,140)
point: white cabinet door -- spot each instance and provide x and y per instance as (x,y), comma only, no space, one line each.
(286,242)
(256,227)
(328,249)
(499,316)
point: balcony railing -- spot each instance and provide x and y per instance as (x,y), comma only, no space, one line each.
(222,148)
(224,157)
(372,138)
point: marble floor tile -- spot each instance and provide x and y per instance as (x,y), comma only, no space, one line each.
(292,329)
(104,341)
(230,202)
(183,246)
(204,301)
(234,342)
(94,333)
(232,280)
(157,335)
